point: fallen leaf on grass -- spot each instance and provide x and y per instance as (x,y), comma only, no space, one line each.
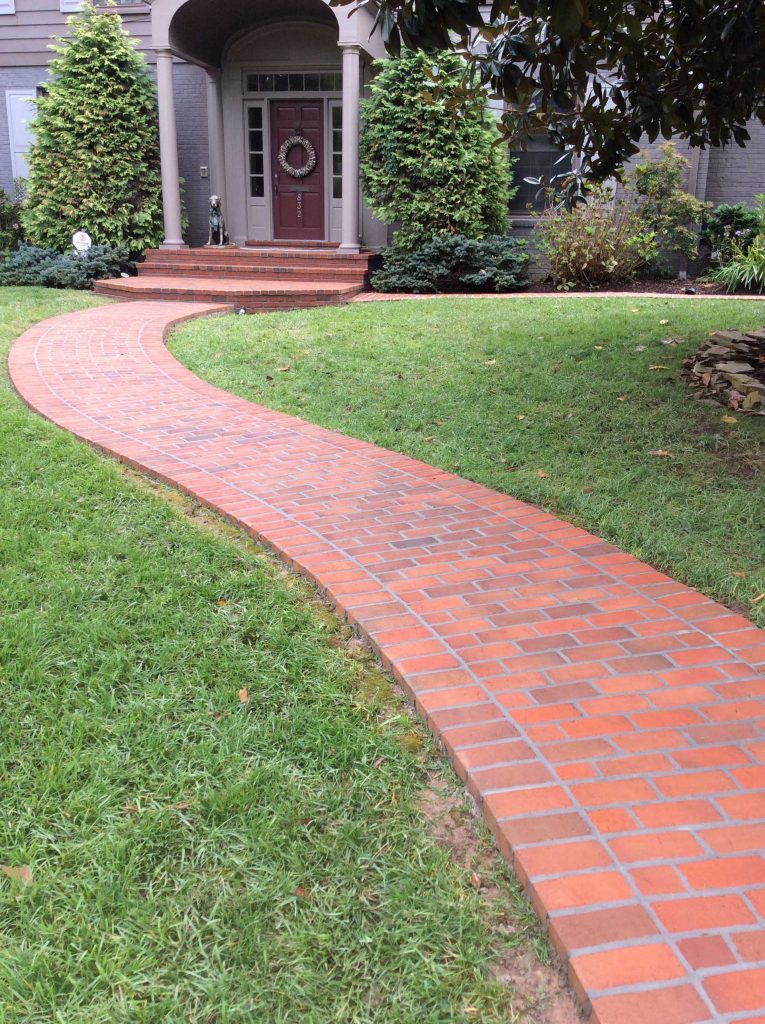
(729,419)
(428,439)
(284,369)
(598,347)
(302,892)
(222,603)
(475,880)
(438,423)
(520,417)
(661,453)
(541,474)
(640,348)
(741,575)
(663,322)
(658,366)
(490,362)
(244,695)
(21,874)
(622,398)
(760,597)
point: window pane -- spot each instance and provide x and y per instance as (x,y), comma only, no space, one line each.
(296,83)
(337,188)
(281,83)
(256,163)
(266,83)
(256,187)
(256,117)
(311,83)
(256,140)
(251,83)
(539,163)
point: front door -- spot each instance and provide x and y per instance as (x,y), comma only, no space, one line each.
(297,170)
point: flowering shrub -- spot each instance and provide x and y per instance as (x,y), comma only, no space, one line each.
(729,227)
(602,241)
(746,266)
(10,224)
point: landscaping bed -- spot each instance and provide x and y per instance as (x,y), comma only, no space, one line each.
(579,406)
(214,806)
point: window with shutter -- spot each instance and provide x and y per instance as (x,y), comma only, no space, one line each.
(20,113)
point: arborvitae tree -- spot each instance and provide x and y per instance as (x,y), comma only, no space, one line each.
(430,156)
(95,160)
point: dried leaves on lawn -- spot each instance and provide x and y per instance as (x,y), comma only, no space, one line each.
(729,368)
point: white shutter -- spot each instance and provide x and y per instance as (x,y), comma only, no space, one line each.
(20,113)
(7,6)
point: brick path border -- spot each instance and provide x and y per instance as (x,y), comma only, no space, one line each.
(609,722)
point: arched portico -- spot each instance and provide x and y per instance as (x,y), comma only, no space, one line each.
(271,64)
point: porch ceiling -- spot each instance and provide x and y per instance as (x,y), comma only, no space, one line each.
(200,29)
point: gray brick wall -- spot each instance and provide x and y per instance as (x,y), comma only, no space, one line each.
(193,147)
(735,174)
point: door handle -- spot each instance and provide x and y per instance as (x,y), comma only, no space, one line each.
(276,184)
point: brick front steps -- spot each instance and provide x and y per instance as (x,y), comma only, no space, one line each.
(254,295)
(257,280)
(608,721)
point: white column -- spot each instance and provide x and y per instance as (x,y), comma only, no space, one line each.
(215,134)
(168,152)
(351,127)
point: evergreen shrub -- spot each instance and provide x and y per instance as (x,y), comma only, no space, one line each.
(453,263)
(432,162)
(95,160)
(49,268)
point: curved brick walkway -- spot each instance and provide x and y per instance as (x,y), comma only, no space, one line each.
(608,720)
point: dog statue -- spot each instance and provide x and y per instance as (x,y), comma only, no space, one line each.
(217,234)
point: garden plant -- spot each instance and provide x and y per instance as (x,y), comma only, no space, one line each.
(94,163)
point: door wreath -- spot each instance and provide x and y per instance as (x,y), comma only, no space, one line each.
(287,146)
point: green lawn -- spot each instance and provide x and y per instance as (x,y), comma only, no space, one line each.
(197,856)
(506,391)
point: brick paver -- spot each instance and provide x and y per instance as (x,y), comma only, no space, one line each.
(608,720)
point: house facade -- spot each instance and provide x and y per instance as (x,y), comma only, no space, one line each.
(259,103)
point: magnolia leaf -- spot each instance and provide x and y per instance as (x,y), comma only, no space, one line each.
(244,695)
(729,419)
(284,369)
(542,475)
(661,453)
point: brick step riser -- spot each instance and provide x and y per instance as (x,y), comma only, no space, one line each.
(226,271)
(284,243)
(251,303)
(329,260)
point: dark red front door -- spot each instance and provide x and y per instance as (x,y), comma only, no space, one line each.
(298,200)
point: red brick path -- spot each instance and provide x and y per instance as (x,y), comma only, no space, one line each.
(608,720)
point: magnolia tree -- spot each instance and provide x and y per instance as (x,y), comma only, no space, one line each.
(599,76)
(95,159)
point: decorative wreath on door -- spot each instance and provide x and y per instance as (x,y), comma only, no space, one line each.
(284,152)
